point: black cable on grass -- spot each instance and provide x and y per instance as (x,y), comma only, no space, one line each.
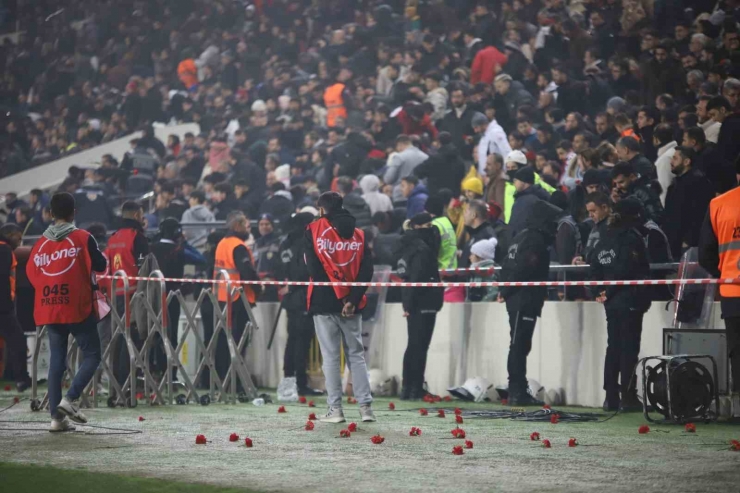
(111,431)
(540,415)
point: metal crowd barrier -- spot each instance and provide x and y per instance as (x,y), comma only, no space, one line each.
(146,312)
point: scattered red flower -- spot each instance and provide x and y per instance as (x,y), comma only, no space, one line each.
(535,437)
(16,400)
(572,442)
(281,409)
(447,398)
(139,396)
(458,433)
(546,406)
(504,402)
(248,442)
(423,412)
(141,418)
(735,445)
(468,444)
(441,413)
(6,388)
(312,416)
(457,450)
(309,425)
(311,404)
(351,400)
(200,439)
(458,419)
(345,434)
(555,419)
(352,427)
(690,428)
(377,439)
(233,437)
(546,443)
(415,432)
(458,411)
(391,406)
(643,430)
(428,398)
(302,400)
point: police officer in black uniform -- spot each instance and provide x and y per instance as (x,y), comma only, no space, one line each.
(528,259)
(622,255)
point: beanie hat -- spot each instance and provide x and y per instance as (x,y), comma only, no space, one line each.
(478,119)
(434,205)
(472,184)
(420,219)
(525,175)
(485,249)
(629,207)
(591,177)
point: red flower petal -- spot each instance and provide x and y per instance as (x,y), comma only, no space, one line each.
(141,418)
(428,398)
(345,434)
(643,430)
(468,444)
(311,404)
(546,406)
(441,413)
(546,443)
(6,388)
(248,442)
(415,432)
(458,433)
(391,406)
(16,400)
(735,445)
(377,439)
(302,400)
(351,400)
(233,437)
(352,427)
(437,398)
(312,416)
(447,398)
(572,442)
(423,411)
(281,409)
(555,419)
(504,402)
(457,450)
(690,428)
(200,440)
(139,396)
(309,425)
(458,411)
(458,419)
(535,437)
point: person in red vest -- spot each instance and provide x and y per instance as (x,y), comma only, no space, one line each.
(335,251)
(10,329)
(61,270)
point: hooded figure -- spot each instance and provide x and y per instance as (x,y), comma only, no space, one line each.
(528,259)
(378,202)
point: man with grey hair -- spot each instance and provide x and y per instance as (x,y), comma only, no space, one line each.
(731,90)
(694,80)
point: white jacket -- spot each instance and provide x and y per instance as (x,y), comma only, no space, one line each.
(663,168)
(493,141)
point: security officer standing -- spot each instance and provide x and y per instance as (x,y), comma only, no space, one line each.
(719,254)
(300,324)
(10,329)
(61,269)
(622,255)
(234,256)
(528,259)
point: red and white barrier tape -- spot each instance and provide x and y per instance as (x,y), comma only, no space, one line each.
(649,282)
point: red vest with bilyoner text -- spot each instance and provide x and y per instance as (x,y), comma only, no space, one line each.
(61,274)
(340,257)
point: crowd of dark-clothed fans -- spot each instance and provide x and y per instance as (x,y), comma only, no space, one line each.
(468,110)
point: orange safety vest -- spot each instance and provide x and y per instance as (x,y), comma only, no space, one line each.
(13,266)
(631,133)
(334,104)
(724,213)
(225,261)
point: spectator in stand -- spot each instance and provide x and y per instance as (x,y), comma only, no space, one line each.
(628,183)
(513,95)
(30,226)
(458,121)
(527,193)
(197,213)
(494,141)
(477,228)
(279,203)
(665,144)
(647,118)
(402,164)
(487,63)
(444,169)
(718,171)
(267,248)
(416,195)
(495,180)
(223,200)
(629,150)
(354,203)
(720,110)
(378,202)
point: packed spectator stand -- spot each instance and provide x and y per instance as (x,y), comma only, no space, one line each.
(469,110)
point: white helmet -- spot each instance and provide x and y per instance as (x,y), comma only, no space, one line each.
(474,389)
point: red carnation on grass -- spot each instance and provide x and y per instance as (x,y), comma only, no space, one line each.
(572,442)
(423,412)
(281,409)
(139,396)
(535,437)
(504,402)
(447,398)
(248,442)
(643,430)
(302,400)
(16,400)
(6,388)
(200,439)
(233,437)
(458,433)
(441,413)
(352,427)
(311,404)
(391,406)
(457,450)
(415,432)
(141,418)
(690,428)
(458,411)
(555,419)
(546,406)
(309,425)
(458,419)
(546,443)
(468,444)
(312,416)
(735,445)
(345,434)
(377,439)
(351,400)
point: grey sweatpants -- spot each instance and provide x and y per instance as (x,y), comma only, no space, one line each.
(333,330)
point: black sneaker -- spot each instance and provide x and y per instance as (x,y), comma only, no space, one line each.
(630,404)
(23,386)
(309,391)
(524,399)
(610,407)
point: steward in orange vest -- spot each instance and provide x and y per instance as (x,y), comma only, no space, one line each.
(719,254)
(334,100)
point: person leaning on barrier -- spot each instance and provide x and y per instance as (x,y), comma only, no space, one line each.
(10,329)
(528,259)
(336,251)
(599,207)
(622,255)
(61,270)
(234,257)
(418,252)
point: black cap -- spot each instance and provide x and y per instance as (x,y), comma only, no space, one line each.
(525,175)
(170,228)
(421,219)
(628,207)
(435,205)
(592,177)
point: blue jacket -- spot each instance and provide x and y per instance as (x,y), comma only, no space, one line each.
(416,201)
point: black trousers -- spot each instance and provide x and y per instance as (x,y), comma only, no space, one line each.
(732,325)
(173,325)
(521,331)
(624,331)
(420,329)
(300,334)
(239,319)
(15,340)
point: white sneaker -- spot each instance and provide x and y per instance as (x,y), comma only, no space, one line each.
(335,415)
(366,411)
(71,411)
(58,425)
